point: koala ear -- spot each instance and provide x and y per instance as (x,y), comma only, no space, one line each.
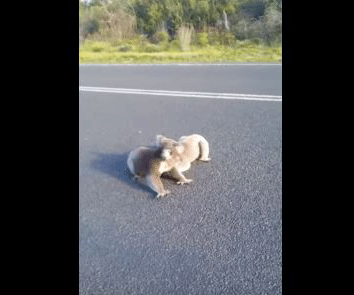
(180,148)
(166,154)
(160,139)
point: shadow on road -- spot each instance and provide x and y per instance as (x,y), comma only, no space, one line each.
(116,165)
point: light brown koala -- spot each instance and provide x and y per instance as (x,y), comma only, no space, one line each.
(149,163)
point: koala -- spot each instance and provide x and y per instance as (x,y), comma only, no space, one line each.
(167,156)
(193,147)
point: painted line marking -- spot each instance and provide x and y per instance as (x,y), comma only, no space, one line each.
(183,93)
(187,65)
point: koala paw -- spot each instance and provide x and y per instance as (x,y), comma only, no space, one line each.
(163,194)
(181,182)
(205,159)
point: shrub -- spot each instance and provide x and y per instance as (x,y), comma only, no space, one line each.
(272,29)
(267,28)
(256,41)
(173,45)
(227,38)
(203,39)
(90,26)
(95,46)
(118,25)
(139,40)
(151,48)
(160,37)
(125,48)
(221,38)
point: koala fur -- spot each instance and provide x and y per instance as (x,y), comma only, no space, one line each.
(149,163)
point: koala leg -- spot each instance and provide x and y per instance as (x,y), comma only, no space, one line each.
(155,183)
(204,149)
(179,176)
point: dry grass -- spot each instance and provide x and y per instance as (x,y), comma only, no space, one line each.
(184,34)
(115,27)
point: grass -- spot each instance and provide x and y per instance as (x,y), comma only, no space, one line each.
(104,52)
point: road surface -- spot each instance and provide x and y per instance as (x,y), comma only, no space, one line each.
(221,234)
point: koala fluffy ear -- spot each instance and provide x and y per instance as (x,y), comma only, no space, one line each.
(160,139)
(179,148)
(166,154)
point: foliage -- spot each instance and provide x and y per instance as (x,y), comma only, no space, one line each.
(160,37)
(179,24)
(272,31)
(254,8)
(202,39)
(218,37)
(96,46)
(125,48)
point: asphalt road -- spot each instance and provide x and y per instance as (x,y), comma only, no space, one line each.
(221,234)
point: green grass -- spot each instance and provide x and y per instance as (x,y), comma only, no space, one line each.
(103,52)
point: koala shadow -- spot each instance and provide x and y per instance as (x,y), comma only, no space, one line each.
(116,165)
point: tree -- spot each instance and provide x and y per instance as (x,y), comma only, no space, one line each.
(272,28)
(245,19)
(254,8)
(88,24)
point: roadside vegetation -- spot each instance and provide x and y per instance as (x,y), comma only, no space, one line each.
(179,31)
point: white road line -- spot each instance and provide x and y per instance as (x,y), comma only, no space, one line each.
(184,93)
(181,64)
